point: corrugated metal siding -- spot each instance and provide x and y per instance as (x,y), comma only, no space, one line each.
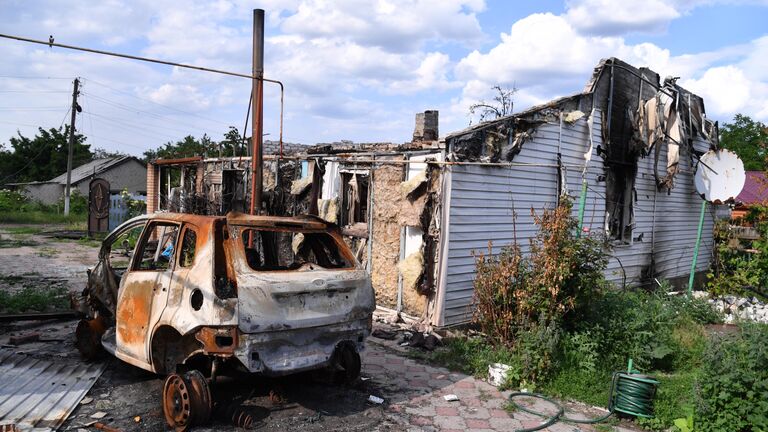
(38,395)
(483,198)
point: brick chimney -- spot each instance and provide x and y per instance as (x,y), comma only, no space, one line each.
(426,126)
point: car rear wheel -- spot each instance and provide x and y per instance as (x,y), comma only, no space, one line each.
(348,365)
(186,400)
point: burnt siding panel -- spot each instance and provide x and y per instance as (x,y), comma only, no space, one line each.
(677,221)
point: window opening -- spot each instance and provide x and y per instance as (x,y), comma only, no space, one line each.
(158,247)
(282,250)
(188,246)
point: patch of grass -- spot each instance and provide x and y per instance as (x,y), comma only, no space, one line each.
(89,241)
(24,230)
(13,242)
(574,383)
(470,356)
(40,217)
(34,299)
(47,252)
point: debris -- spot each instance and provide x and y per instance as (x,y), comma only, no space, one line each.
(86,401)
(362,378)
(375,399)
(573,116)
(276,397)
(328,209)
(98,415)
(137,419)
(409,187)
(404,343)
(497,373)
(430,342)
(29,337)
(299,186)
(411,269)
(384,334)
(105,428)
(451,397)
(35,316)
(9,428)
(235,414)
(58,384)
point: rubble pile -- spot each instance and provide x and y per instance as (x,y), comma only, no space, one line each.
(744,308)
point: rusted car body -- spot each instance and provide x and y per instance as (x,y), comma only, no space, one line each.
(262,294)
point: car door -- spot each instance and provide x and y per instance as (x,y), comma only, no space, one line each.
(144,289)
(114,259)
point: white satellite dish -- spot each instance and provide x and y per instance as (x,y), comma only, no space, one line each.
(719,176)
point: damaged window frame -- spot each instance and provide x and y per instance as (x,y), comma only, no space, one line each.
(359,212)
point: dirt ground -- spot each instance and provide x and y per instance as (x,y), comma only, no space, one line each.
(413,393)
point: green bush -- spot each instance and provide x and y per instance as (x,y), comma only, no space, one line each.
(11,200)
(734,269)
(733,388)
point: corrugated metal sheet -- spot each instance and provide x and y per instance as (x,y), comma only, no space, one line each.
(483,199)
(38,395)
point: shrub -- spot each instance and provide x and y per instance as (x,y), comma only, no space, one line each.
(514,292)
(733,387)
(11,200)
(734,269)
(521,301)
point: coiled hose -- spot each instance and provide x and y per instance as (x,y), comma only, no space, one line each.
(631,393)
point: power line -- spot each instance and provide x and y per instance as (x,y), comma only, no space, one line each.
(34,91)
(149,113)
(34,77)
(126,124)
(159,104)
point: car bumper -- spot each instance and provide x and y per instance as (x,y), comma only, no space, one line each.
(295,350)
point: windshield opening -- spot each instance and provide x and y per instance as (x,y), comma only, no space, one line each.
(267,250)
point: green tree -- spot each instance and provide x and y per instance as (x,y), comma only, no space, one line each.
(190,146)
(748,139)
(42,157)
(187,147)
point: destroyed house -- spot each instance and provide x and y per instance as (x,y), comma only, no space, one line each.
(626,147)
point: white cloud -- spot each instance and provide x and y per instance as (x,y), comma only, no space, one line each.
(181,96)
(610,17)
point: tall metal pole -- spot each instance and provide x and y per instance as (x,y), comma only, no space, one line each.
(71,145)
(696,248)
(257,163)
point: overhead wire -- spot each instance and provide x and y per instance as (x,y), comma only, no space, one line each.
(159,104)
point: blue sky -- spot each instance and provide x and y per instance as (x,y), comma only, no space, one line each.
(358,70)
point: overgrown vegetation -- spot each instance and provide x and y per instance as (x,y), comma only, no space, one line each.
(550,317)
(15,207)
(33,299)
(741,266)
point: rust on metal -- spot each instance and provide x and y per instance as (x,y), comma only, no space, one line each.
(218,340)
(178,161)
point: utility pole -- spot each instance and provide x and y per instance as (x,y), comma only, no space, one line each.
(75,107)
(257,164)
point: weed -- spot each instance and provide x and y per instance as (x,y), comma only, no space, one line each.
(14,242)
(47,252)
(24,230)
(37,299)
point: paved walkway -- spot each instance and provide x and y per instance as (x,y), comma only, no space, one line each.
(413,394)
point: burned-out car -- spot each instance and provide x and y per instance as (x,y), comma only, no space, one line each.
(193,297)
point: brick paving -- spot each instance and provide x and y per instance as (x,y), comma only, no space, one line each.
(413,394)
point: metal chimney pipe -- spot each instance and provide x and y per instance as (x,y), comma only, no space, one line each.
(257,130)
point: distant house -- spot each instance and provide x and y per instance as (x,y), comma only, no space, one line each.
(755,191)
(125,172)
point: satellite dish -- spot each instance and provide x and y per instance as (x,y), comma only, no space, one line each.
(719,176)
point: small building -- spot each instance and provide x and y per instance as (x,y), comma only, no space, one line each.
(124,172)
(755,192)
(626,147)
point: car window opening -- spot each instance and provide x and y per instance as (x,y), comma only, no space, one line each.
(280,250)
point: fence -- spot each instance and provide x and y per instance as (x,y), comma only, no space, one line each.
(118,210)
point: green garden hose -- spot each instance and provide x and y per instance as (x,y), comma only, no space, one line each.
(631,393)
